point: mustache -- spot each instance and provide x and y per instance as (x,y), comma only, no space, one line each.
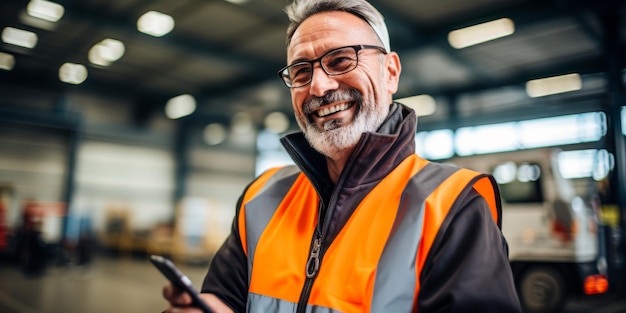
(340,95)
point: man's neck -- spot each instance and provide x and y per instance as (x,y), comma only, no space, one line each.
(336,164)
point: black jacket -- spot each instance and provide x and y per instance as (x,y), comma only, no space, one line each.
(469,246)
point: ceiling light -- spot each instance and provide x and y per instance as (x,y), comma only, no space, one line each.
(423,105)
(237,1)
(72,73)
(480,33)
(155,24)
(553,85)
(113,49)
(19,37)
(95,56)
(180,106)
(7,61)
(276,122)
(45,10)
(106,51)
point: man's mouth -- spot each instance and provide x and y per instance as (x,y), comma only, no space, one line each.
(332,109)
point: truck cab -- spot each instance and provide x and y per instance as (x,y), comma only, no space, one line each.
(550,226)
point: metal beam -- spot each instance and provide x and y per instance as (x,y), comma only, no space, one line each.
(262,69)
(127,25)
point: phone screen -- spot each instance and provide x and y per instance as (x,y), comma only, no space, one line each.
(180,280)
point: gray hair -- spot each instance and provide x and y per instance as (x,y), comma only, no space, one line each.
(300,10)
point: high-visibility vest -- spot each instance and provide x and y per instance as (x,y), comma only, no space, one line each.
(374,263)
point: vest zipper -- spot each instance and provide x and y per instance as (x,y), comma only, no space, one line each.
(312,268)
(317,248)
(313,264)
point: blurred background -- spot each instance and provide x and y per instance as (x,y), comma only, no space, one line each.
(130,127)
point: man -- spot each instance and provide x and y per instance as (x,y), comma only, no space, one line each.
(362,224)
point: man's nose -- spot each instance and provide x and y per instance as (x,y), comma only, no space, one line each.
(321,82)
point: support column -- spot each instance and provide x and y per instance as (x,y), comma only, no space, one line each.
(615,141)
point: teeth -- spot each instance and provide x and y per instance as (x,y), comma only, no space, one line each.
(332,109)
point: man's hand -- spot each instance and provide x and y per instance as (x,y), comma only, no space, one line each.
(179,301)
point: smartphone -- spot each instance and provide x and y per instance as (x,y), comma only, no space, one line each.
(178,279)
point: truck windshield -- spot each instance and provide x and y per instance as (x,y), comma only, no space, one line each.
(519,183)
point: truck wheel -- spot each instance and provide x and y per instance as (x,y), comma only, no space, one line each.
(542,290)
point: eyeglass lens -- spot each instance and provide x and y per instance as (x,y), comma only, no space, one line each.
(334,63)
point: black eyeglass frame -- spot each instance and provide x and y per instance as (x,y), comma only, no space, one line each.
(282,73)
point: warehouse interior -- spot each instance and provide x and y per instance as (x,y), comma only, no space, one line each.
(144,140)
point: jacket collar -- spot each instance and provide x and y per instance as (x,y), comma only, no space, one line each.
(376,154)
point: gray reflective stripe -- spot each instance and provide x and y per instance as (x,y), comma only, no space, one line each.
(259,210)
(396,274)
(280,174)
(263,304)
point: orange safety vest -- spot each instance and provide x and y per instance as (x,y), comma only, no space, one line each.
(374,263)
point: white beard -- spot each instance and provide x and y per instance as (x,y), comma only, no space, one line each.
(335,137)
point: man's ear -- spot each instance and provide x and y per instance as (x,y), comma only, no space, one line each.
(393,68)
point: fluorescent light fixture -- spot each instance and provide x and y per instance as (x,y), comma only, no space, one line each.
(155,24)
(106,51)
(180,106)
(19,37)
(480,33)
(72,73)
(113,49)
(7,61)
(553,85)
(95,56)
(45,10)
(423,105)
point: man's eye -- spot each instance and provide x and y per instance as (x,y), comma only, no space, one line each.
(300,71)
(339,61)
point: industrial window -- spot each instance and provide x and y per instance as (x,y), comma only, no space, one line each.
(511,136)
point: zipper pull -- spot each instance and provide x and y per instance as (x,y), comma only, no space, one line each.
(313,264)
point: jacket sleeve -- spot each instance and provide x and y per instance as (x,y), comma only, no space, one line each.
(227,276)
(467,269)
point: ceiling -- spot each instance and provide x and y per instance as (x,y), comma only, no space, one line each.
(219,51)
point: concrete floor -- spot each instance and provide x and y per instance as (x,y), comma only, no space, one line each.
(108,285)
(132,285)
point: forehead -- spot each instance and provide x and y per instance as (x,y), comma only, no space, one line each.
(327,30)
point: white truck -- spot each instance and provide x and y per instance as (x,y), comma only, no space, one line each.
(555,249)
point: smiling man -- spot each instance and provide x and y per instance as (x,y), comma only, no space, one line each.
(360,223)
(346,90)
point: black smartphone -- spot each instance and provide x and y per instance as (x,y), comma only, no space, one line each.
(182,282)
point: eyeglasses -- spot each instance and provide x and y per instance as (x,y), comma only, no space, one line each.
(334,62)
